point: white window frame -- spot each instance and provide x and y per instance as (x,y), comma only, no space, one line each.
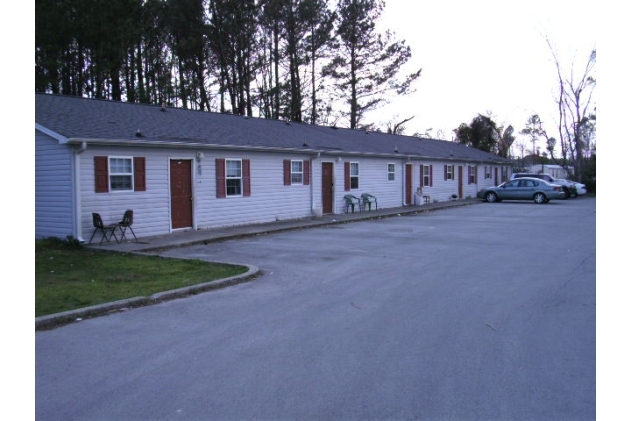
(426,175)
(296,174)
(487,171)
(473,177)
(232,178)
(120,174)
(354,174)
(391,171)
(450,172)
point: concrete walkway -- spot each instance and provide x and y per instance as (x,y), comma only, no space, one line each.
(155,244)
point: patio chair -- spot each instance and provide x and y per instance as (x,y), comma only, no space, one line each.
(107,231)
(125,223)
(351,201)
(369,199)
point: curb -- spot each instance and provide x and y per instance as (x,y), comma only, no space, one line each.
(55,320)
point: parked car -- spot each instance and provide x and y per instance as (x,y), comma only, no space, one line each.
(580,188)
(540,191)
(568,186)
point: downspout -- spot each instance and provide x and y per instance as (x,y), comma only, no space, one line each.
(311,186)
(312,181)
(76,199)
(403,181)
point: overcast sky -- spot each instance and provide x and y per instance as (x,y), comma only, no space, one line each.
(483,55)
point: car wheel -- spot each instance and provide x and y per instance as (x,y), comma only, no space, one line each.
(491,197)
(540,198)
(573,194)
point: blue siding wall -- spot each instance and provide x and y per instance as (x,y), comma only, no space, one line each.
(53,188)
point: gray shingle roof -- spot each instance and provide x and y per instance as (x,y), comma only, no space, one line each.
(91,119)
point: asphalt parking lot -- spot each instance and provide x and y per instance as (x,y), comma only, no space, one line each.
(476,312)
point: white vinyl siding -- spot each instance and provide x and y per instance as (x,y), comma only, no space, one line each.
(53,188)
(267,202)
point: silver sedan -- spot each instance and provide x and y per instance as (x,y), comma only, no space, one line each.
(539,191)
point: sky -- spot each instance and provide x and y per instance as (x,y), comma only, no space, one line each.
(485,56)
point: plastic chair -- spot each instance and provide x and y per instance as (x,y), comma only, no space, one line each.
(99,226)
(351,201)
(126,222)
(369,199)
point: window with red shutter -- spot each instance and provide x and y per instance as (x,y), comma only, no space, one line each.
(139,174)
(220,177)
(101,177)
(306,168)
(287,172)
(246,177)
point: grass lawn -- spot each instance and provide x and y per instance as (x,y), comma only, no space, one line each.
(69,276)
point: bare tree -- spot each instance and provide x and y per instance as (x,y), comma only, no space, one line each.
(397,127)
(577,114)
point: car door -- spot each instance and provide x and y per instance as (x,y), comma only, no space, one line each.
(527,189)
(510,190)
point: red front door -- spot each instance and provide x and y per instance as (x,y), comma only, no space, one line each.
(408,184)
(327,187)
(181,194)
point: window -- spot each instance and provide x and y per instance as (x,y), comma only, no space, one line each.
(233,177)
(503,174)
(487,172)
(354,175)
(449,172)
(296,172)
(390,172)
(119,174)
(351,175)
(426,174)
(473,170)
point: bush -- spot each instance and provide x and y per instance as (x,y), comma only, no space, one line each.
(54,243)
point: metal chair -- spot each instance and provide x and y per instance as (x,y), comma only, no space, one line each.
(107,231)
(126,222)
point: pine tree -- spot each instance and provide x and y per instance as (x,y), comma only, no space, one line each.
(367,62)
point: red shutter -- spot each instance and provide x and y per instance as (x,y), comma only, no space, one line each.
(445,172)
(347,176)
(306,172)
(139,174)
(220,177)
(101,177)
(287,172)
(431,175)
(421,169)
(468,174)
(246,177)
